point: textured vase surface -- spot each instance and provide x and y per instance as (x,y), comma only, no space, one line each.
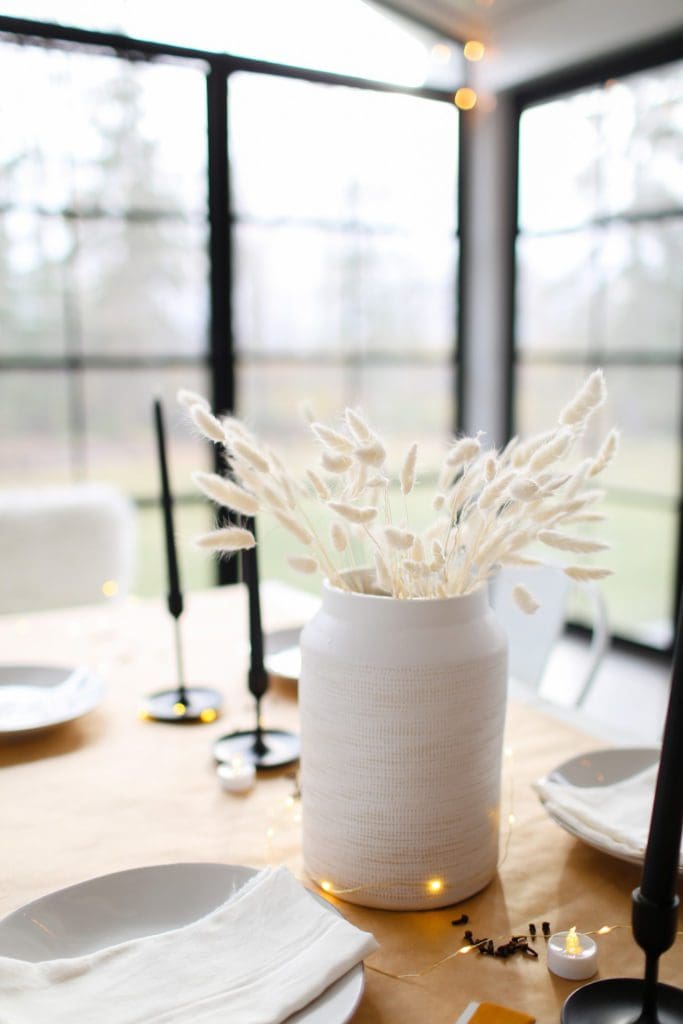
(402,708)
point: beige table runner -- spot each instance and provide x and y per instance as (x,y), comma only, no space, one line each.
(110,792)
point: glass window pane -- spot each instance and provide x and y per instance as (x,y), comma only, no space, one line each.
(315,290)
(559,156)
(195,568)
(142,288)
(643,402)
(35,283)
(540,394)
(639,596)
(34,425)
(121,444)
(640,267)
(642,132)
(327,153)
(134,136)
(556,290)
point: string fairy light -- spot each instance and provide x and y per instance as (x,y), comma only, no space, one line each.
(290,809)
(605,929)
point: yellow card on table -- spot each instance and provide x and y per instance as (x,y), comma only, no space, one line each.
(491,1013)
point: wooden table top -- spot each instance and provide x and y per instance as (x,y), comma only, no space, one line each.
(110,791)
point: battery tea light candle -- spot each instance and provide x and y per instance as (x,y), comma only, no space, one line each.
(572,955)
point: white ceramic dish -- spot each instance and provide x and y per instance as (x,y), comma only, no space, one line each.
(34,697)
(282,655)
(146,901)
(600,768)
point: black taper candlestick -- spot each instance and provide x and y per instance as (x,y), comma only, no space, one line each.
(654,911)
(195,704)
(265,748)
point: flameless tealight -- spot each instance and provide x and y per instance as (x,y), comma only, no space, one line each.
(237,776)
(572,955)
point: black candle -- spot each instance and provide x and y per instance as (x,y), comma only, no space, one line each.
(660,868)
(257,674)
(175,597)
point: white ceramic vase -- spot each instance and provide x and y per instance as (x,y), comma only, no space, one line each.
(402,708)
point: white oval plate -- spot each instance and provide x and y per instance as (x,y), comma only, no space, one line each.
(282,655)
(34,697)
(600,768)
(146,901)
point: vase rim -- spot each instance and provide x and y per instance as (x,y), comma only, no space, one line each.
(412,609)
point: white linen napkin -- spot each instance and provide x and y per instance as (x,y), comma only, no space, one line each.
(264,954)
(617,816)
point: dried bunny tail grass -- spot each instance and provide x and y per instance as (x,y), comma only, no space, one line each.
(188,399)
(493,490)
(438,557)
(509,448)
(303,564)
(358,483)
(272,495)
(399,540)
(229,538)
(589,397)
(294,526)
(585,573)
(332,438)
(567,510)
(524,450)
(250,453)
(490,468)
(608,450)
(438,502)
(339,537)
(335,462)
(524,599)
(524,489)
(551,451)
(371,453)
(563,542)
(320,487)
(462,452)
(235,428)
(357,425)
(226,493)
(418,550)
(360,514)
(589,517)
(518,560)
(407,475)
(416,567)
(376,480)
(287,485)
(383,575)
(208,424)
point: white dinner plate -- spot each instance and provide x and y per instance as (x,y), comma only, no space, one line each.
(282,655)
(146,901)
(600,768)
(34,697)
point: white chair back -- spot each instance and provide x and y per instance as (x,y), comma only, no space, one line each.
(531,638)
(64,546)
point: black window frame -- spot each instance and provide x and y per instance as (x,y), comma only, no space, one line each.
(662,50)
(221,355)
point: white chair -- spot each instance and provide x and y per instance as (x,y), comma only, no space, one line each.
(531,638)
(64,546)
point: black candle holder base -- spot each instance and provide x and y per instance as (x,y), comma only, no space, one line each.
(620,1001)
(265,748)
(196,705)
